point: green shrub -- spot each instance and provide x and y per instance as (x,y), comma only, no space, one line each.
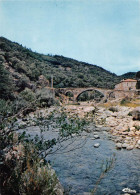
(6,86)
(45,97)
(6,108)
(130,114)
(38,179)
(137,127)
(22,171)
(28,95)
(125,101)
(128,129)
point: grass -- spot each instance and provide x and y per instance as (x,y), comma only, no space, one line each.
(109,104)
(131,103)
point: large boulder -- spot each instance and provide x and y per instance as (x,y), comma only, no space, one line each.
(136,113)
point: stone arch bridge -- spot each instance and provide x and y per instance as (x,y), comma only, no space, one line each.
(77,91)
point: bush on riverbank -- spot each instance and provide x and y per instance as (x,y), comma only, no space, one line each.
(22,171)
(22,164)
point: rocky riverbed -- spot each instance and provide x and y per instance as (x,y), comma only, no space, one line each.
(119,119)
(79,162)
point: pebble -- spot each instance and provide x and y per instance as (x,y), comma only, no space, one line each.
(96,145)
(96,137)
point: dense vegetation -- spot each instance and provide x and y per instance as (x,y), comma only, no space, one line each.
(128,75)
(26,66)
(5,83)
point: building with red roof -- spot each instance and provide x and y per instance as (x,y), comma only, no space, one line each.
(126,85)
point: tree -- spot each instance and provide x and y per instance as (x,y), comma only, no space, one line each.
(5,83)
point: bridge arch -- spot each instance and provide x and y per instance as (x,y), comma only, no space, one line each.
(111,95)
(69,93)
(102,95)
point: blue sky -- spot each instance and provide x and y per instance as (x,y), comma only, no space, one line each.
(101,32)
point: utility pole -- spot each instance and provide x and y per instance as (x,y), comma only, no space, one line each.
(52,86)
(52,81)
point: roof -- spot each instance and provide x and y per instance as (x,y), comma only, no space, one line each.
(129,80)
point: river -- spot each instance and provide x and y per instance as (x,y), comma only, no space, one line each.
(79,165)
(79,169)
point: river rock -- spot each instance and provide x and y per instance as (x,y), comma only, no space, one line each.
(129,147)
(96,145)
(22,124)
(107,113)
(131,133)
(136,113)
(132,128)
(105,128)
(137,132)
(96,137)
(89,109)
(97,129)
(138,142)
(118,145)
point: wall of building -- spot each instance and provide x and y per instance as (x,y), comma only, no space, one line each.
(121,94)
(126,86)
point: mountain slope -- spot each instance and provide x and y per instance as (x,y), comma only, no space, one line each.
(26,66)
(128,75)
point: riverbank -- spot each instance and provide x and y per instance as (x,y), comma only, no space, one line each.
(117,120)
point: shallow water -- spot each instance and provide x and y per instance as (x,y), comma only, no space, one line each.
(80,169)
(78,166)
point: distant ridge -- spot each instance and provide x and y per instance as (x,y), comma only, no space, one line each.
(128,75)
